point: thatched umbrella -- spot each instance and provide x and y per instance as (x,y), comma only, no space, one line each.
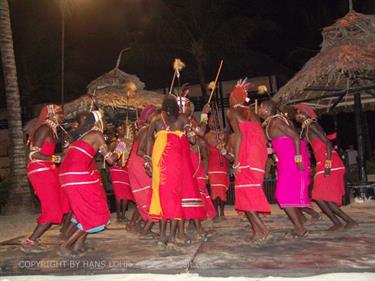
(114,91)
(341,75)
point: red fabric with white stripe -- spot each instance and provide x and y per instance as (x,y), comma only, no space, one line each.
(81,182)
(121,183)
(192,204)
(200,176)
(218,174)
(140,182)
(44,180)
(328,188)
(249,194)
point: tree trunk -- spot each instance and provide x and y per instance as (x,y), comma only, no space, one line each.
(199,56)
(19,196)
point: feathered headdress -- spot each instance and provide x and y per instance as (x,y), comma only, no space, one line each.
(239,93)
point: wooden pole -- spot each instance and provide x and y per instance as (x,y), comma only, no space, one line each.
(172,83)
(350,5)
(217,77)
(360,139)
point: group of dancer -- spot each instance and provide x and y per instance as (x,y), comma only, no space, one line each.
(164,170)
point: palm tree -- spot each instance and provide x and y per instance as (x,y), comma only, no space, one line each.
(202,32)
(20,196)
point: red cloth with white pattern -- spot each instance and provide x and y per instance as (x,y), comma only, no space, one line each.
(44,180)
(121,183)
(248,186)
(218,174)
(328,188)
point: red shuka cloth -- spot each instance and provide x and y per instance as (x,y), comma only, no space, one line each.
(82,184)
(171,175)
(328,188)
(44,180)
(200,176)
(140,182)
(121,183)
(249,194)
(218,174)
(192,204)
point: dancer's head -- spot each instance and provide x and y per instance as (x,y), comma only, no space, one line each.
(267,108)
(170,106)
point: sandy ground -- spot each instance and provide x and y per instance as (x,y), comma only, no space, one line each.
(21,224)
(13,226)
(190,277)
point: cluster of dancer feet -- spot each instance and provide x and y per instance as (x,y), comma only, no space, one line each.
(167,165)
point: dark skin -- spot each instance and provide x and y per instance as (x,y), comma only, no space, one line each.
(217,139)
(42,134)
(199,144)
(236,116)
(141,138)
(330,209)
(76,240)
(121,205)
(175,123)
(278,128)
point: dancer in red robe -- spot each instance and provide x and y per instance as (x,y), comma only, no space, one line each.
(140,182)
(120,176)
(81,182)
(218,165)
(250,156)
(166,168)
(329,183)
(42,174)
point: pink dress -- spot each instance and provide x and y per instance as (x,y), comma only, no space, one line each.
(292,184)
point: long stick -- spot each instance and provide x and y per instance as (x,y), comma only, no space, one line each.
(174,78)
(217,77)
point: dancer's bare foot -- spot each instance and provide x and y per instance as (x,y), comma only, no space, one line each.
(316,218)
(350,225)
(30,246)
(336,227)
(65,252)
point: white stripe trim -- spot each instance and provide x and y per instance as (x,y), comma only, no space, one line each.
(251,168)
(248,185)
(121,182)
(218,172)
(332,170)
(218,184)
(74,173)
(82,150)
(140,189)
(38,170)
(79,183)
(191,199)
(119,170)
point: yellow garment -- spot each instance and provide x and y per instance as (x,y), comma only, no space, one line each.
(161,139)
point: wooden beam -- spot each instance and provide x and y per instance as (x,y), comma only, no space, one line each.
(336,103)
(321,89)
(336,94)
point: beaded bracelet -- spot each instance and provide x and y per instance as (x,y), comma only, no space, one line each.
(298,158)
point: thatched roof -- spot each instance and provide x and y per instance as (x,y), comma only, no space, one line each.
(345,64)
(114,79)
(113,100)
(114,91)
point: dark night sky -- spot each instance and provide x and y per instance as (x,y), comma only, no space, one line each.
(280,37)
